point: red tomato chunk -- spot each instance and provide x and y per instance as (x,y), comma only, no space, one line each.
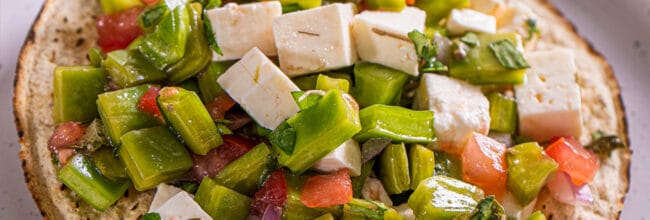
(148,102)
(484,164)
(327,190)
(118,30)
(272,193)
(580,164)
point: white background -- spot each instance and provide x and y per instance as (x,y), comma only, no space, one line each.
(618,29)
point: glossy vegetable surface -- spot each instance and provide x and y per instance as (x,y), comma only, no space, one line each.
(528,170)
(377,84)
(326,83)
(197,53)
(108,164)
(448,165)
(243,175)
(120,114)
(128,68)
(75,92)
(320,129)
(397,123)
(503,113)
(221,202)
(167,43)
(394,169)
(82,177)
(153,156)
(189,118)
(421,164)
(442,197)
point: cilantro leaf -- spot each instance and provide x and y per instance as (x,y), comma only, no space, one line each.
(427,50)
(470,39)
(604,144)
(533,29)
(508,55)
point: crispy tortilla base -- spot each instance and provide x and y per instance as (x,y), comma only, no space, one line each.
(64,31)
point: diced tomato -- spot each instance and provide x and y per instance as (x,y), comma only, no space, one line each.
(150,2)
(410,2)
(118,30)
(579,163)
(66,135)
(209,165)
(327,190)
(484,164)
(218,107)
(148,102)
(272,193)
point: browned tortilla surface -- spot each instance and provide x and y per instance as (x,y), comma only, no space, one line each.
(64,31)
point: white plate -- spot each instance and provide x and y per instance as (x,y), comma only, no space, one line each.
(618,29)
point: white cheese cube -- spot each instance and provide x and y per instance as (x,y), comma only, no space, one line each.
(163,193)
(374,190)
(315,40)
(261,89)
(464,20)
(181,206)
(382,38)
(487,6)
(459,109)
(549,101)
(239,28)
(347,155)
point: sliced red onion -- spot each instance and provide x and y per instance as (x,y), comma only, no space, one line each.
(272,213)
(563,190)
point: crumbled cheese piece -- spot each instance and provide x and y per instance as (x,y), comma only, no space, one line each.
(315,40)
(549,101)
(239,28)
(382,38)
(261,89)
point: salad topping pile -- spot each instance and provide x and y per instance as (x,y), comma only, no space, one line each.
(373,109)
